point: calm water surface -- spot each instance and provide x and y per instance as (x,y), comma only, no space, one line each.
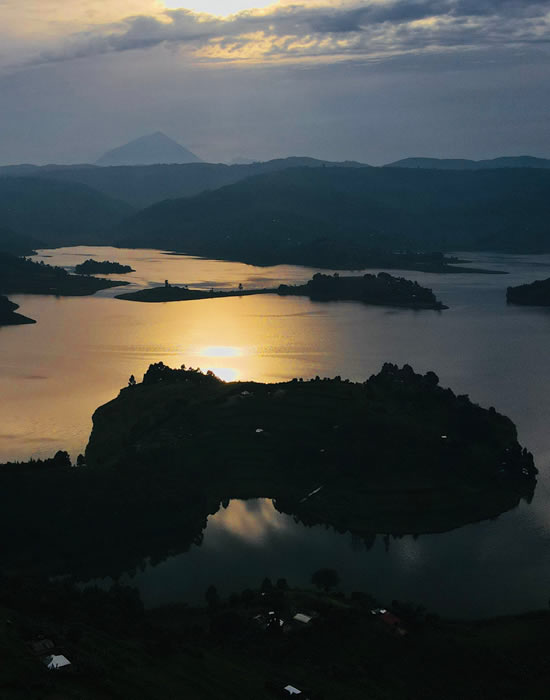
(82,350)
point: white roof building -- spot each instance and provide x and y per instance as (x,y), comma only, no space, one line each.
(300,617)
(55,661)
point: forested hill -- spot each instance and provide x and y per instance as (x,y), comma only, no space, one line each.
(464,164)
(143,185)
(14,243)
(287,216)
(58,213)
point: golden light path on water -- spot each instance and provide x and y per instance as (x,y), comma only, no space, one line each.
(252,521)
(80,353)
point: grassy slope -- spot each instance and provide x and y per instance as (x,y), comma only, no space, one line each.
(345,654)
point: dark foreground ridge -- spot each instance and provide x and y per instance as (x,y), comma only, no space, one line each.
(380,289)
(535,294)
(8,317)
(105,267)
(22,276)
(395,455)
(252,646)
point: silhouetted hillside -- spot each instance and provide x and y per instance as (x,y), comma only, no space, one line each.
(21,276)
(324,215)
(8,317)
(535,294)
(14,243)
(142,186)
(464,164)
(58,213)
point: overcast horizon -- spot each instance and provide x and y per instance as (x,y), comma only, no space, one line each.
(338,80)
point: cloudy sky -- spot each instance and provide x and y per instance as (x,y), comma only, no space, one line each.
(340,79)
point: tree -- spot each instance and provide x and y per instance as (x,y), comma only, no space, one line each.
(80,460)
(325,578)
(62,459)
(212,597)
(267,586)
(132,380)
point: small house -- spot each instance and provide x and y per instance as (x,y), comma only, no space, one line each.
(301,617)
(55,662)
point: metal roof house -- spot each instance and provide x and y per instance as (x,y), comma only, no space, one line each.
(55,662)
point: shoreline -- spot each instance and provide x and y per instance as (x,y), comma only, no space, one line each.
(157,295)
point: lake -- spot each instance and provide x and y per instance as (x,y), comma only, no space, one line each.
(82,350)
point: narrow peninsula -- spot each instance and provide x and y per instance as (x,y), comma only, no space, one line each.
(22,276)
(381,289)
(535,294)
(104,267)
(8,317)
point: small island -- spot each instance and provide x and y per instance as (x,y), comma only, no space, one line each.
(381,289)
(8,317)
(21,276)
(535,294)
(105,267)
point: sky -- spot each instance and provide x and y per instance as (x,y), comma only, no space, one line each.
(337,79)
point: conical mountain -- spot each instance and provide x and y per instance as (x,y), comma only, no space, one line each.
(153,149)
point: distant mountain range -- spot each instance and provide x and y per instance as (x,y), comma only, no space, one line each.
(463,164)
(152,149)
(295,210)
(141,186)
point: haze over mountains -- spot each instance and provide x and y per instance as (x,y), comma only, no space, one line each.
(151,149)
(295,210)
(140,186)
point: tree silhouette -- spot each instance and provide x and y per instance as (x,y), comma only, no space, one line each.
(325,578)
(212,597)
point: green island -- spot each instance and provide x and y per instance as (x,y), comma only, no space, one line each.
(8,317)
(535,294)
(104,267)
(251,645)
(382,289)
(21,276)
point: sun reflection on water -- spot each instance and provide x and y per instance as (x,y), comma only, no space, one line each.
(251,520)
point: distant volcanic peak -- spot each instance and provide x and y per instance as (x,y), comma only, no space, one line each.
(153,149)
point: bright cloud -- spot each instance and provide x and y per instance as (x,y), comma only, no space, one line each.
(288,31)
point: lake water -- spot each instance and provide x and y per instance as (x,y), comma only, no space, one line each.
(82,350)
